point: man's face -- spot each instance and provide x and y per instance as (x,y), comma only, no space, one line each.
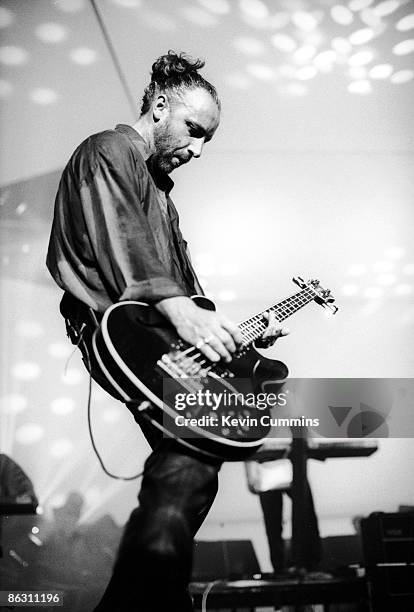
(189,122)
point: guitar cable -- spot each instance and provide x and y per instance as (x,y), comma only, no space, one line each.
(89,410)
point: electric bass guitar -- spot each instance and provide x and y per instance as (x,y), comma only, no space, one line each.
(211,408)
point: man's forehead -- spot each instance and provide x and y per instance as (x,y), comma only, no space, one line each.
(199,106)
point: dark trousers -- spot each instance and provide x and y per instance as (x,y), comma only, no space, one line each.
(272,506)
(154,561)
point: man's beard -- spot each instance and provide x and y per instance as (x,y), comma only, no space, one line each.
(164,149)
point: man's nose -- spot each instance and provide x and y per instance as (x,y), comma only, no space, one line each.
(196,146)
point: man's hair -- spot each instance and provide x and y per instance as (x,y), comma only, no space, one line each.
(175,73)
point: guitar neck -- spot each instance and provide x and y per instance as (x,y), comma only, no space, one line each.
(253,328)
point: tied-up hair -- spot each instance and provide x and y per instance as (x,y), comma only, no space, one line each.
(176,73)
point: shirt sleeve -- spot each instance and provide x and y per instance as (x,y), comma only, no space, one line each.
(114,197)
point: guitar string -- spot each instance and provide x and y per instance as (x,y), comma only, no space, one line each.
(284,311)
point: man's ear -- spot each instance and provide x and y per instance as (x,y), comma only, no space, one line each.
(161,107)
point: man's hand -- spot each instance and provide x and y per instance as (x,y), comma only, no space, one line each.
(272,332)
(212,333)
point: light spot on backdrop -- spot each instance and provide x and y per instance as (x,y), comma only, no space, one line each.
(402,76)
(342,15)
(254,9)
(127,3)
(220,7)
(70,6)
(43,96)
(83,56)
(62,406)
(381,71)
(13,56)
(404,47)
(29,433)
(262,72)
(249,45)
(61,448)
(60,350)
(361,37)
(199,16)
(360,87)
(26,370)
(6,17)
(358,5)
(72,377)
(386,8)
(29,329)
(13,403)
(406,23)
(51,33)
(6,89)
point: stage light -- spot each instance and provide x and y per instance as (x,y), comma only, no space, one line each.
(62,406)
(304,54)
(29,329)
(357,269)
(404,47)
(361,37)
(406,23)
(6,89)
(83,56)
(61,448)
(304,21)
(386,8)
(359,5)
(283,42)
(13,403)
(381,71)
(261,71)
(255,9)
(60,350)
(404,289)
(72,376)
(342,15)
(360,87)
(43,96)
(402,76)
(249,45)
(51,33)
(350,289)
(26,370)
(29,433)
(306,73)
(220,7)
(361,58)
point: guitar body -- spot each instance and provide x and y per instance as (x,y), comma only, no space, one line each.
(145,361)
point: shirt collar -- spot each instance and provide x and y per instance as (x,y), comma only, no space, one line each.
(161,179)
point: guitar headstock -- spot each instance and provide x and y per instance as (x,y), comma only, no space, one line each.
(321,296)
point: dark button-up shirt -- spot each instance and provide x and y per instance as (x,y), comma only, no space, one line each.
(115,233)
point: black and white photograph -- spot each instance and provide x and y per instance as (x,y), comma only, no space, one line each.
(207,305)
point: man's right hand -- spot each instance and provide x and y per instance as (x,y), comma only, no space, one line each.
(211,332)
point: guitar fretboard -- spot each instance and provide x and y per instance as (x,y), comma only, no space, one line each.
(253,328)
